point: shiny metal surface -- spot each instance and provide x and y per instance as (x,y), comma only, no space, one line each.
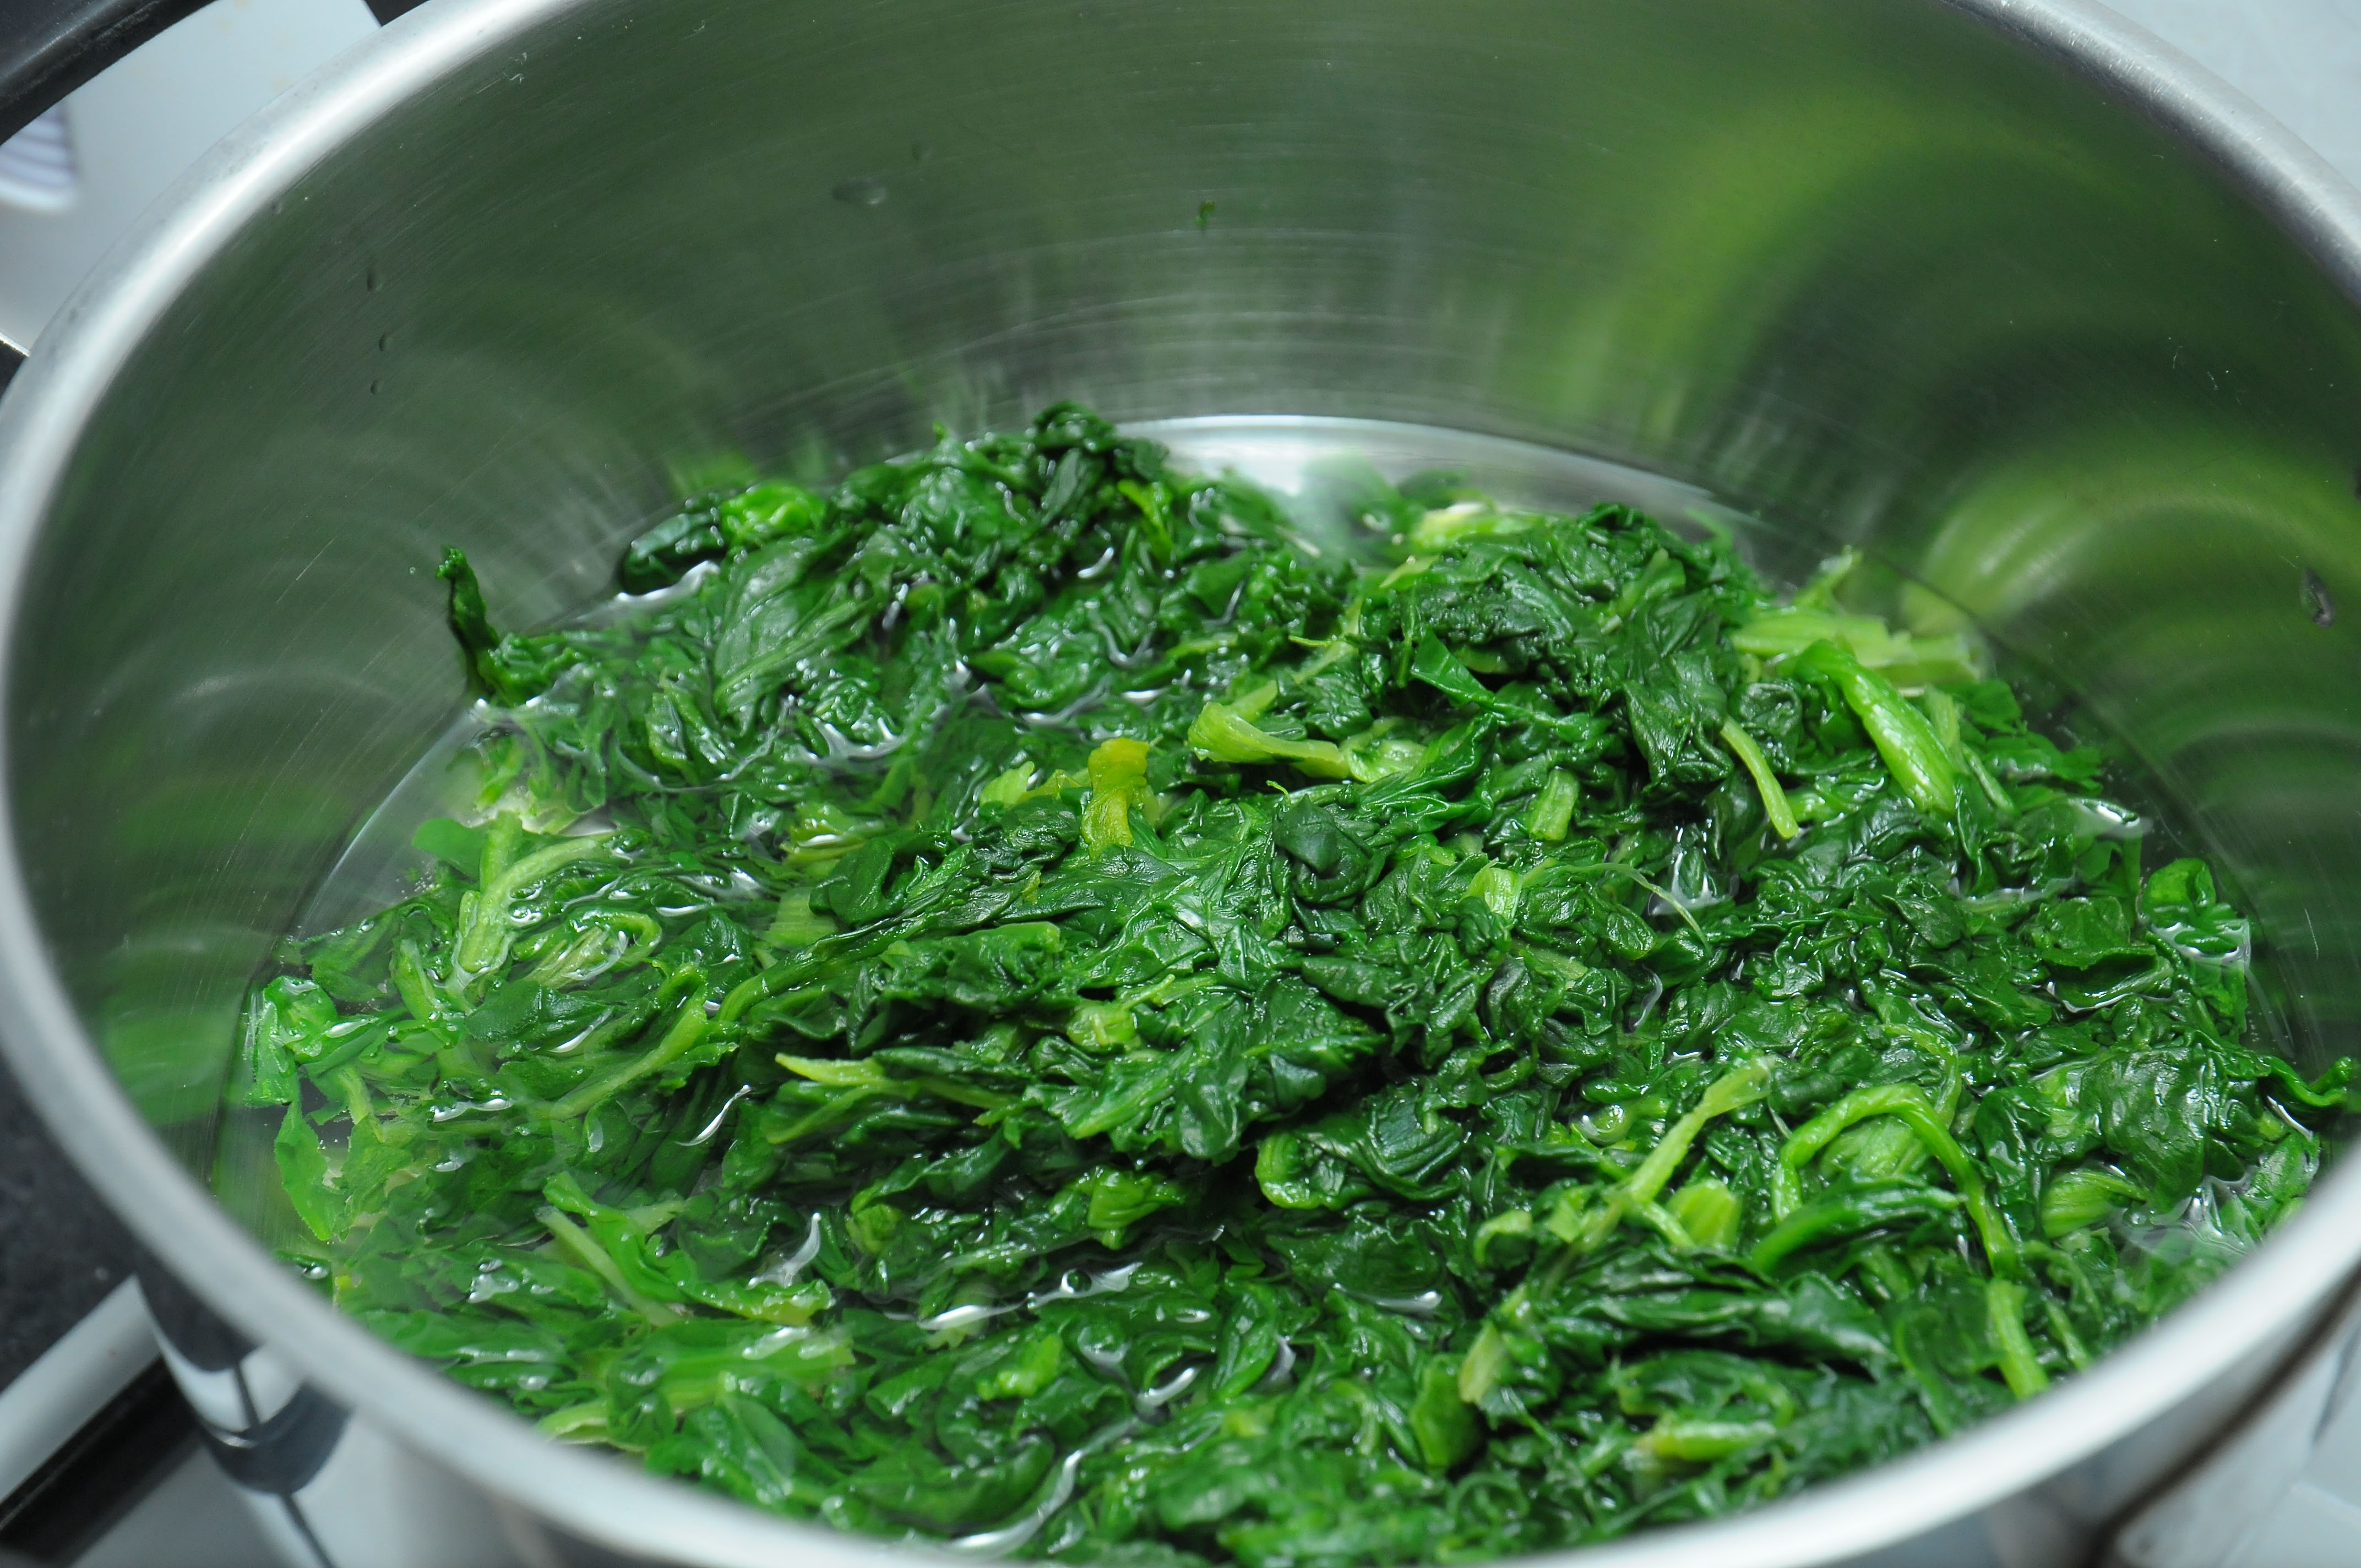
(2272,1494)
(1893,271)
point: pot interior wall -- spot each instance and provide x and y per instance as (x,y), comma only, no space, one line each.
(1859,266)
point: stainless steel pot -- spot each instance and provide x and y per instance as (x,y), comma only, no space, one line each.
(2049,320)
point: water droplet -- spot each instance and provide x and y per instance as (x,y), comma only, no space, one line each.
(921,151)
(861,191)
(2316,600)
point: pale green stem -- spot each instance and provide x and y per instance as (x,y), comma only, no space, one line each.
(1766,782)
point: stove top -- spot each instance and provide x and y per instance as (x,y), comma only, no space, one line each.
(99,1457)
(61,1251)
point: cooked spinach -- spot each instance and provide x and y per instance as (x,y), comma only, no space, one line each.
(1028,1000)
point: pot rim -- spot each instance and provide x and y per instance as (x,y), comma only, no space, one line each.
(2258,1310)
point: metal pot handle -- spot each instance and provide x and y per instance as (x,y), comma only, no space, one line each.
(49,47)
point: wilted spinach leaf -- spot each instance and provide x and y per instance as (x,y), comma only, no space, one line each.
(1018,1001)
